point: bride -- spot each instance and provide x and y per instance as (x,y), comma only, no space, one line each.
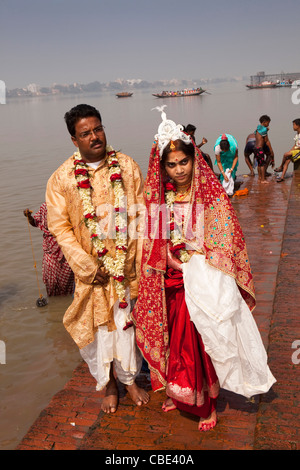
(193,316)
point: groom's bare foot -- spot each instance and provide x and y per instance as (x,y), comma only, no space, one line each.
(138,395)
(111,399)
(208,423)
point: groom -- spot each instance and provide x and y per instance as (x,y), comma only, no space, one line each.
(106,272)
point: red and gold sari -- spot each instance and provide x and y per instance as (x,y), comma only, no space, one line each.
(165,333)
(192,382)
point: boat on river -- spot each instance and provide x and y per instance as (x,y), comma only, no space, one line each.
(284,83)
(179,94)
(124,94)
(262,85)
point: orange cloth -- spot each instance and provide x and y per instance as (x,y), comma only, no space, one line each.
(241,192)
(92,305)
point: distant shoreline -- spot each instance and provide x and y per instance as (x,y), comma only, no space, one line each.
(35,90)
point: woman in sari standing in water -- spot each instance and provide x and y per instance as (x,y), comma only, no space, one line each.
(193,316)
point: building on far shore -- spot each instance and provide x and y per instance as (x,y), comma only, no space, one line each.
(274,78)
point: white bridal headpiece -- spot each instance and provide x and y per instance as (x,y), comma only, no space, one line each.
(168,131)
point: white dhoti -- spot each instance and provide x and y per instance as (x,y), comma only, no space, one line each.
(118,346)
(227,327)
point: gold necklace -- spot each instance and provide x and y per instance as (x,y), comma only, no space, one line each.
(182,195)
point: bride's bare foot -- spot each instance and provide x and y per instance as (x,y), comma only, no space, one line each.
(208,423)
(138,395)
(168,405)
(110,401)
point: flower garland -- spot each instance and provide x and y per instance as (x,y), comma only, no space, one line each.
(115,267)
(178,247)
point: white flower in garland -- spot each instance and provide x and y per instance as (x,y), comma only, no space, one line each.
(178,244)
(114,266)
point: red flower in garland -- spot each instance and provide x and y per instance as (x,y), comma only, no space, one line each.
(172,226)
(123,248)
(128,324)
(102,253)
(84,184)
(123,304)
(81,171)
(171,187)
(176,249)
(114,163)
(90,216)
(116,177)
(79,162)
(122,230)
(119,278)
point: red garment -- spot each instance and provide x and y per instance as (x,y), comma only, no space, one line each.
(57,274)
(192,382)
(222,243)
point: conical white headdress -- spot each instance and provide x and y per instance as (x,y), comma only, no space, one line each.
(168,131)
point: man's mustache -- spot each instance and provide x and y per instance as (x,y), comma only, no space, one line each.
(97,142)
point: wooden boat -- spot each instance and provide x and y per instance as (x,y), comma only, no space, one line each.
(179,94)
(124,94)
(262,85)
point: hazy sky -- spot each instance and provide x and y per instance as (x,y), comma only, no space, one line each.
(66,41)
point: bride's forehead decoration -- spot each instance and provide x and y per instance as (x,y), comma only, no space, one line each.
(169,131)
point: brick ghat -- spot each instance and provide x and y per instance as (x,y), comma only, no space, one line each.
(278,421)
(270,219)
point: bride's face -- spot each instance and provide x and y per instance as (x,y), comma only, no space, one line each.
(179,167)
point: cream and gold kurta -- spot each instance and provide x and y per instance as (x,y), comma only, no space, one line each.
(93,304)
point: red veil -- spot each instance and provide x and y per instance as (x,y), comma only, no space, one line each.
(219,237)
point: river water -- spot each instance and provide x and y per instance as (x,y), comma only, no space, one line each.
(38,356)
